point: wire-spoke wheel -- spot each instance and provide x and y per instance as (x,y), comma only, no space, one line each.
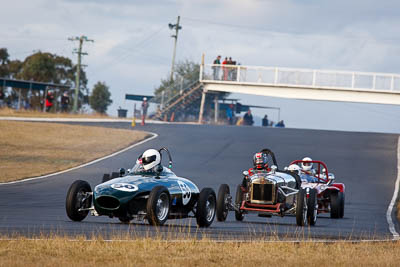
(312,206)
(301,208)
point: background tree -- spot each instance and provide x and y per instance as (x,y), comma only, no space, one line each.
(4,60)
(47,67)
(42,67)
(186,72)
(14,69)
(100,98)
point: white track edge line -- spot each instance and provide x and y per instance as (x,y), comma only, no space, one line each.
(389,218)
(154,135)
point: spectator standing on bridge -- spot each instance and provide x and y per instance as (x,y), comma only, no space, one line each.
(217,61)
(225,69)
(145,106)
(234,71)
(248,118)
(265,121)
(49,101)
(230,69)
(64,102)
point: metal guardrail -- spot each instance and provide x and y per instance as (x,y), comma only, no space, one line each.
(304,78)
(186,87)
(173,91)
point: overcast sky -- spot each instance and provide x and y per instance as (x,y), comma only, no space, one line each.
(133,45)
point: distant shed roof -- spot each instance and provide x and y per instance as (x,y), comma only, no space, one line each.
(5,82)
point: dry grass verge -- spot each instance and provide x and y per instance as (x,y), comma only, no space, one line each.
(150,252)
(8,112)
(30,149)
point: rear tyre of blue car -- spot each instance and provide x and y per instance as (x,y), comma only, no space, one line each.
(78,198)
(158,206)
(206,206)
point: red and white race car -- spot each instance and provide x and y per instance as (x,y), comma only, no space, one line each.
(328,195)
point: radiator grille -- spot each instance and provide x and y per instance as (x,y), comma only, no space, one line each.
(263,192)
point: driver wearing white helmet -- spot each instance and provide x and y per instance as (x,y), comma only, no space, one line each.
(148,162)
(307,169)
(150,159)
(307,165)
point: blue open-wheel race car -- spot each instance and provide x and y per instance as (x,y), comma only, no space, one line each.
(147,191)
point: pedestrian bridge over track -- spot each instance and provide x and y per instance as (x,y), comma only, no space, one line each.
(309,84)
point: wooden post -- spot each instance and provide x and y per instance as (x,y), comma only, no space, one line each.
(56,94)
(201,68)
(44,99)
(203,100)
(216,107)
(19,99)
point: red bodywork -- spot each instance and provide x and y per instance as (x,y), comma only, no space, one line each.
(321,174)
(322,186)
(260,207)
(319,170)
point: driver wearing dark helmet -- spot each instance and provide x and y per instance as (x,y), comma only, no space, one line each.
(260,163)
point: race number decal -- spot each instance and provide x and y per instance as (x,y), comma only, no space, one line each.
(186,193)
(125,187)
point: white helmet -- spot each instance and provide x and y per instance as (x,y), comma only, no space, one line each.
(294,168)
(144,98)
(306,166)
(150,159)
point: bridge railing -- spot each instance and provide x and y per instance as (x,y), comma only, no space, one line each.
(308,78)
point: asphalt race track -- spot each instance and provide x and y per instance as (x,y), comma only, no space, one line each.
(211,155)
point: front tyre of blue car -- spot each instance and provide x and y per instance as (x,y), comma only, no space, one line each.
(158,206)
(206,206)
(78,197)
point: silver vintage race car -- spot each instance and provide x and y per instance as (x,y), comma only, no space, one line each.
(268,191)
